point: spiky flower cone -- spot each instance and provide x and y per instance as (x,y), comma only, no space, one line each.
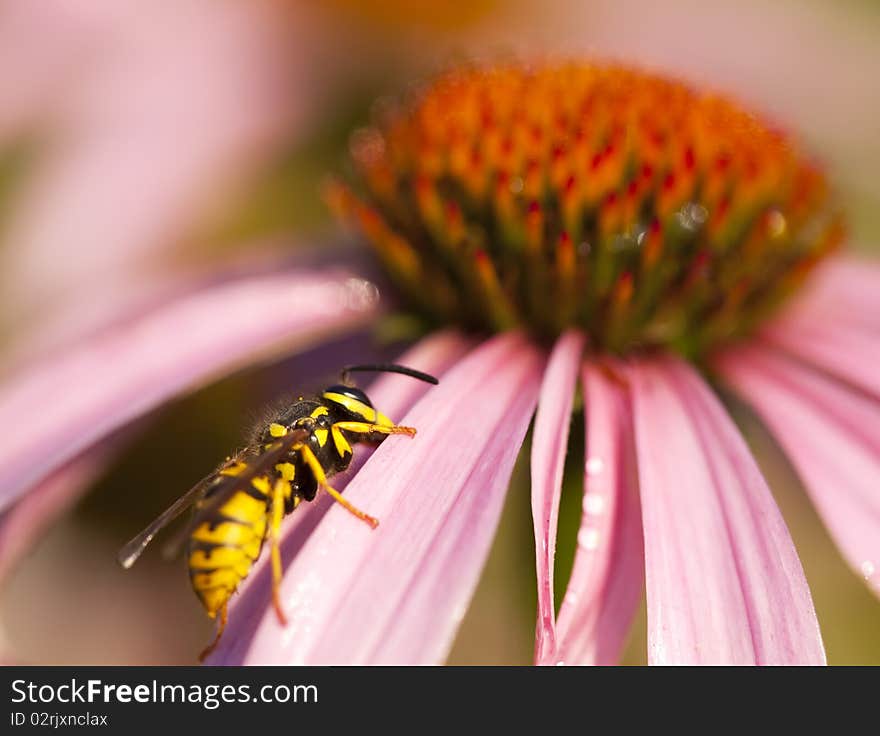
(630,205)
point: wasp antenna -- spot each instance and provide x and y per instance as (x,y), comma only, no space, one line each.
(388,368)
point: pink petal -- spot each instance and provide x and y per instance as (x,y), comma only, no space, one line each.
(65,404)
(724,582)
(832,437)
(397,593)
(607,580)
(549,444)
(81,320)
(847,350)
(844,289)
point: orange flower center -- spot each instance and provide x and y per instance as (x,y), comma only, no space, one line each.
(630,205)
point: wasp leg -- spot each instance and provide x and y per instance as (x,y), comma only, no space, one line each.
(220,626)
(321,478)
(281,490)
(365,428)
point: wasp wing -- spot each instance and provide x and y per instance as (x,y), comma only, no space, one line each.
(129,554)
(264,460)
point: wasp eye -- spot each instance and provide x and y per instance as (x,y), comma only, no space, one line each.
(351,392)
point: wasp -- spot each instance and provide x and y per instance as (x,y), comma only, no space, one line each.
(240,505)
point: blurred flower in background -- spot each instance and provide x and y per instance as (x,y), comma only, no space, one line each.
(135,123)
(123,186)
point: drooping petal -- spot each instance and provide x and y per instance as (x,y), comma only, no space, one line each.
(63,405)
(397,593)
(608,576)
(724,582)
(831,434)
(847,350)
(549,445)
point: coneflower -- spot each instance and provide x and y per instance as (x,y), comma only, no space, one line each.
(548,224)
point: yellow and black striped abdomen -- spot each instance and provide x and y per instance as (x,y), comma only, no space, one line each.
(227,537)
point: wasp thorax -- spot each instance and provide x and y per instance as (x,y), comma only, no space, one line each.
(627,204)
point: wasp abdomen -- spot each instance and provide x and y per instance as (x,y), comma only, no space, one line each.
(225,543)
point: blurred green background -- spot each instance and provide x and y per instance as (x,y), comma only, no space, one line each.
(812,65)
